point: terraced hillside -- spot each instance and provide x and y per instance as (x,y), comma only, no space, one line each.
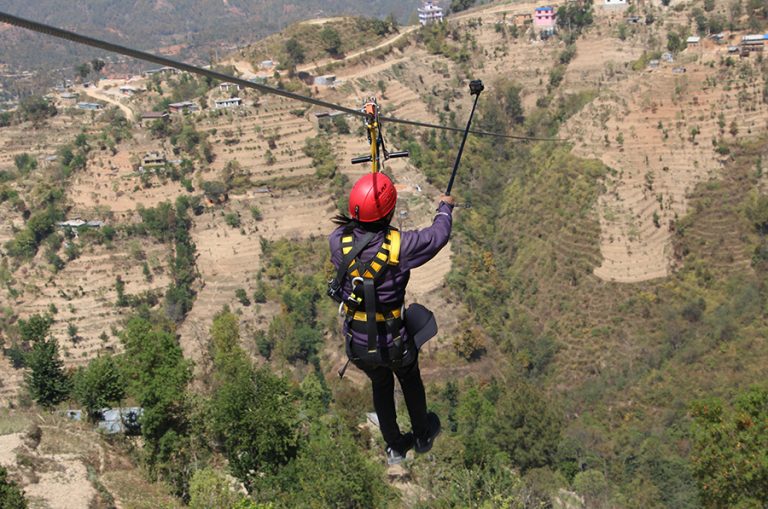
(658,130)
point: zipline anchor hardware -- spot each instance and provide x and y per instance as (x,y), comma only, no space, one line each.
(379,152)
(475,87)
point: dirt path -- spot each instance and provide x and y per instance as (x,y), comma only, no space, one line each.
(388,42)
(101,94)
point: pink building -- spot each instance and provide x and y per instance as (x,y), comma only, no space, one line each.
(544,18)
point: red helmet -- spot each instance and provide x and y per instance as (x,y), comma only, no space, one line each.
(372,197)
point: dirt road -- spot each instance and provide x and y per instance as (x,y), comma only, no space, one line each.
(387,42)
(103,95)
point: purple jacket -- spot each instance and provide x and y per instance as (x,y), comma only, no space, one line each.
(416,249)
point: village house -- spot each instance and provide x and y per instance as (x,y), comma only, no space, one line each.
(129,90)
(74,225)
(754,42)
(430,12)
(522,19)
(150,117)
(153,159)
(615,3)
(232,102)
(267,64)
(182,107)
(325,80)
(161,70)
(227,86)
(121,420)
(69,96)
(693,41)
(90,106)
(544,19)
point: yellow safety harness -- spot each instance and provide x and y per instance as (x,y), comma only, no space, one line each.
(361,304)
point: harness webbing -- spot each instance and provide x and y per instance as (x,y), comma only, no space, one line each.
(368,274)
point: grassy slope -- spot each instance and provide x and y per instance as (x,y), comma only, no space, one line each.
(354,33)
(626,360)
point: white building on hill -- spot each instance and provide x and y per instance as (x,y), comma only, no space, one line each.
(615,3)
(430,12)
(232,102)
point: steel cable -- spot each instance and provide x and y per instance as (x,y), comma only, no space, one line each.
(142,55)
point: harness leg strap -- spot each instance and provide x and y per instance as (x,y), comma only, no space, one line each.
(369,297)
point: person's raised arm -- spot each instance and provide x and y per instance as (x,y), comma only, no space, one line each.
(420,246)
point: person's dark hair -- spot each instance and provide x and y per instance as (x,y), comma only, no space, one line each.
(374,226)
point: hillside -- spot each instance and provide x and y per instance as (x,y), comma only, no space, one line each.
(597,296)
(186,29)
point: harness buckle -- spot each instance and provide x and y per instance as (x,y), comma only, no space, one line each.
(354,300)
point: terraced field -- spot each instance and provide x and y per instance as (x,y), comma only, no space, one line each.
(244,135)
(83,294)
(644,130)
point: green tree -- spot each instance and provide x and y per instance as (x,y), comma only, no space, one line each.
(702,23)
(756,210)
(25,163)
(11,496)
(575,15)
(527,426)
(474,419)
(330,40)
(593,486)
(675,42)
(97,65)
(294,52)
(83,70)
(253,412)
(242,297)
(36,109)
(330,471)
(730,450)
(48,384)
(716,23)
(99,385)
(35,328)
(158,377)
(461,5)
(232,219)
(208,490)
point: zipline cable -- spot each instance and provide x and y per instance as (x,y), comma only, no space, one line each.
(141,55)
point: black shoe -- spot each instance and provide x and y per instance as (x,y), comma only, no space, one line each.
(433,425)
(396,454)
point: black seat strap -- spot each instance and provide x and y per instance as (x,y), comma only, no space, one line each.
(369,297)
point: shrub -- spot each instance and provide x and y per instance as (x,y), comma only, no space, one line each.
(232,219)
(11,495)
(99,385)
(242,297)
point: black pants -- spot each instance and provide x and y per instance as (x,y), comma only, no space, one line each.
(382,379)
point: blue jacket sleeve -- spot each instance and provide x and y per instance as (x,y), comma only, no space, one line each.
(420,246)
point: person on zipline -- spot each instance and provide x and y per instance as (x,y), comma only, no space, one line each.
(374,262)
